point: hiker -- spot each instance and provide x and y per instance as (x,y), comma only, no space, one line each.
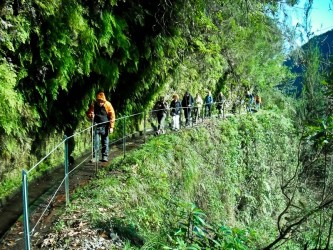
(160,109)
(208,104)
(175,107)
(249,101)
(187,104)
(220,105)
(103,116)
(197,107)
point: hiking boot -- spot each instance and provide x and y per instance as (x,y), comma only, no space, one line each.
(105,159)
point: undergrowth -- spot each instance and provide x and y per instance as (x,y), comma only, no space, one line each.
(229,172)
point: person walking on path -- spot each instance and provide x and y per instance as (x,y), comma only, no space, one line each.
(198,102)
(175,108)
(220,105)
(257,100)
(249,101)
(160,109)
(187,104)
(103,116)
(208,104)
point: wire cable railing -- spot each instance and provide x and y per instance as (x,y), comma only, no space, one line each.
(148,119)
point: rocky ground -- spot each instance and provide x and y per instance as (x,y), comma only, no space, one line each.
(76,235)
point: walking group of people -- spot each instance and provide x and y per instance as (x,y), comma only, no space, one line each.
(102,114)
(191,107)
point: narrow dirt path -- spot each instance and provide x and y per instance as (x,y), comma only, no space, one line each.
(41,193)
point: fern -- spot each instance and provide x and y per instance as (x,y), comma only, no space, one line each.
(11,100)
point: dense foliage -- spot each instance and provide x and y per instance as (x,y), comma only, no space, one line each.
(56,54)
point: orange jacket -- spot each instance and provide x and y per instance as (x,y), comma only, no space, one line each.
(108,108)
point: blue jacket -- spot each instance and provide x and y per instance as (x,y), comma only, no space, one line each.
(175,107)
(209,99)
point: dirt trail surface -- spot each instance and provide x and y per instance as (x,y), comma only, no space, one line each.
(41,193)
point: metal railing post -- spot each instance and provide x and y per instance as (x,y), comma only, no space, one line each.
(66,171)
(94,153)
(96,148)
(203,110)
(124,136)
(92,139)
(144,126)
(25,210)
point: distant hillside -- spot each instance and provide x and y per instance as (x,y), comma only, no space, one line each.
(325,42)
(325,45)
